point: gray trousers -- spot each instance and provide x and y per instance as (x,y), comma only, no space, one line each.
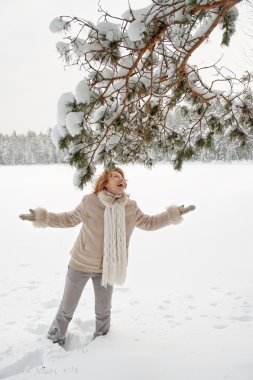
(75,283)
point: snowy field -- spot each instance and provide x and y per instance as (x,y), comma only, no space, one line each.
(186,310)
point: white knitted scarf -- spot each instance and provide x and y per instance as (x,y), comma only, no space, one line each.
(115,251)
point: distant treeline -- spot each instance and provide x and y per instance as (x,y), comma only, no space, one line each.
(32,148)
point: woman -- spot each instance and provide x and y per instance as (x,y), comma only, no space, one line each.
(100,252)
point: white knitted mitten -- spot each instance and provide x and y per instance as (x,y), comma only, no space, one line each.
(31,217)
(184,210)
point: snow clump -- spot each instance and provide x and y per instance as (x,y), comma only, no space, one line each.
(77,179)
(136,30)
(57,25)
(110,30)
(99,113)
(55,136)
(62,47)
(74,122)
(112,142)
(82,92)
(64,106)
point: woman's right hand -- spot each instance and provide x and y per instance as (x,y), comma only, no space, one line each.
(31,217)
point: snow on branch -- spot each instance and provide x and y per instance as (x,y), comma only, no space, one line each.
(136,74)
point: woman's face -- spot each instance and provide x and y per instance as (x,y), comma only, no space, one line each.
(116,184)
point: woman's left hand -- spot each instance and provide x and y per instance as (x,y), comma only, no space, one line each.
(184,210)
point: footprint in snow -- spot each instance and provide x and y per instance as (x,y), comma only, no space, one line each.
(10,323)
(175,324)
(77,341)
(192,307)
(141,323)
(247,311)
(247,305)
(162,307)
(167,302)
(28,361)
(35,282)
(117,311)
(51,303)
(39,329)
(122,290)
(214,304)
(30,287)
(84,325)
(169,316)
(243,318)
(220,327)
(134,302)
(80,334)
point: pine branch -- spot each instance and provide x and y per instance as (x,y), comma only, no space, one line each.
(138,76)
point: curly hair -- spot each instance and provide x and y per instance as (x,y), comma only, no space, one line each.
(102,180)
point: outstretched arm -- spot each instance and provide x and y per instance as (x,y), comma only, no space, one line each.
(172,215)
(42,218)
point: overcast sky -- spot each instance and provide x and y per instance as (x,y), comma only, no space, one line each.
(32,76)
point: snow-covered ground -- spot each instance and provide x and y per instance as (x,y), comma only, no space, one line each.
(186,310)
